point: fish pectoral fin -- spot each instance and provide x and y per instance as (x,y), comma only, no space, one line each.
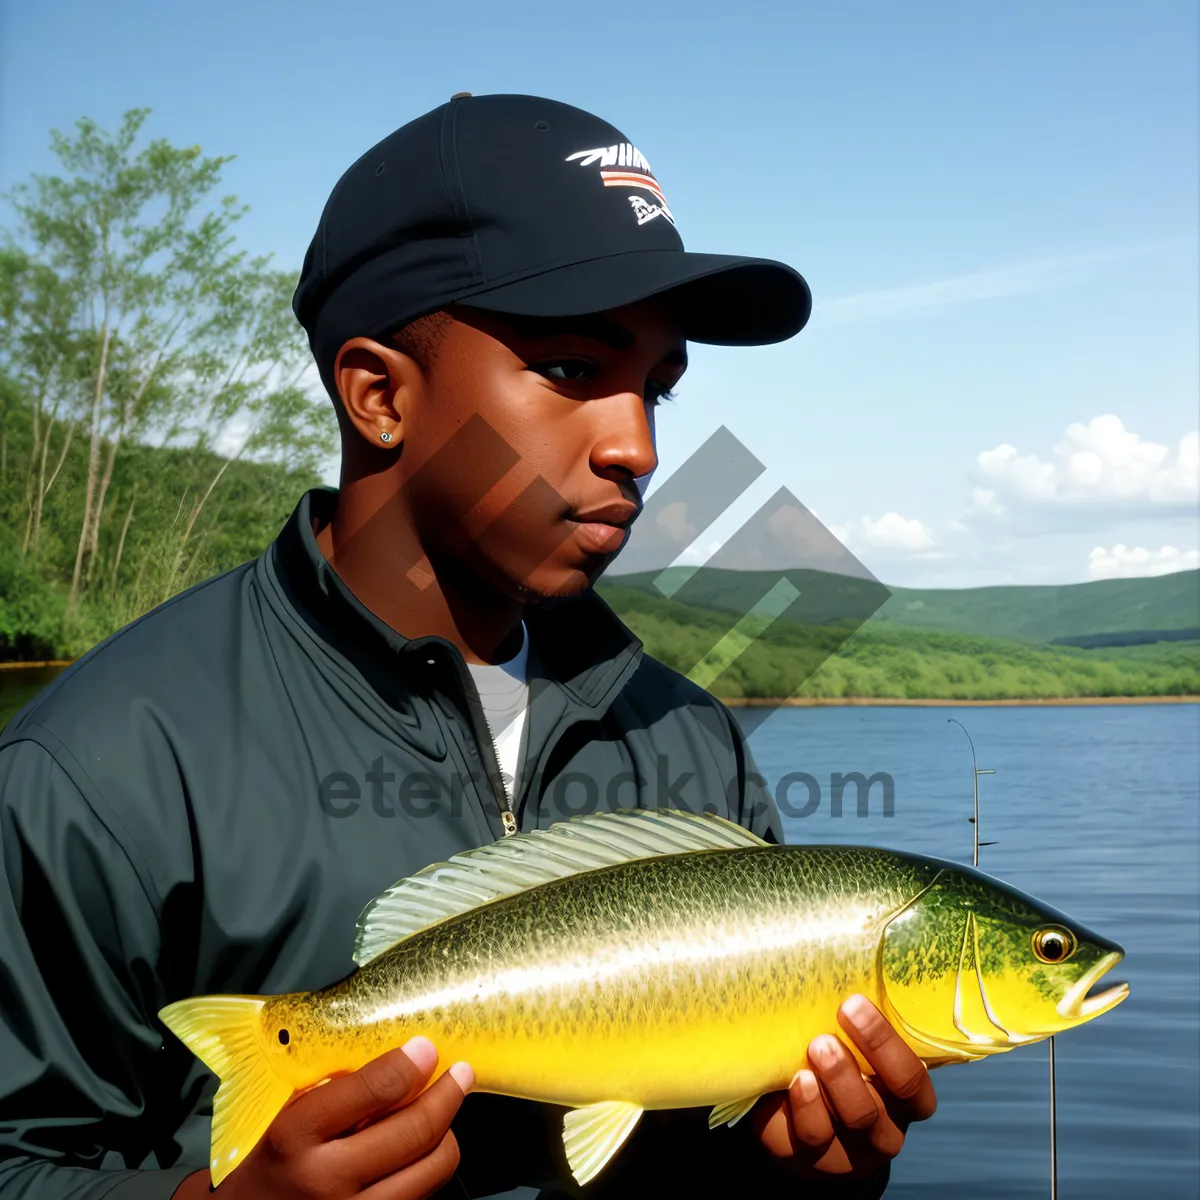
(223,1032)
(732,1111)
(592,1135)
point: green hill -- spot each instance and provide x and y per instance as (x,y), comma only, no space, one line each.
(1027,613)
(1043,613)
(886,659)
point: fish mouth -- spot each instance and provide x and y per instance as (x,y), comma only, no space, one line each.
(1080,1005)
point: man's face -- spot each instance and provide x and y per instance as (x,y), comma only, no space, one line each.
(532,435)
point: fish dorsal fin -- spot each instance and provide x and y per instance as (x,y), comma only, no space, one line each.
(526,860)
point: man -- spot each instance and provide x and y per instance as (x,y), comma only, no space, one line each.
(496,298)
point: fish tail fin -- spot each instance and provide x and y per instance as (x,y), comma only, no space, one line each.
(225,1033)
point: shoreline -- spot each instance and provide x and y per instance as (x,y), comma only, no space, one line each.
(847,701)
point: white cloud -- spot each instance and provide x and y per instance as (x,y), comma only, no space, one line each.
(1098,464)
(673,518)
(696,553)
(894,532)
(1020,279)
(890,532)
(1126,562)
(983,500)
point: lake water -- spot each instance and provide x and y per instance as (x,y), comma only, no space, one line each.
(1095,810)
(19,685)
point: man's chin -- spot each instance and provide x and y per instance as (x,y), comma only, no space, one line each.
(537,593)
(546,584)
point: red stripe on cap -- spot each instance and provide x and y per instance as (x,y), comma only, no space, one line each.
(639,181)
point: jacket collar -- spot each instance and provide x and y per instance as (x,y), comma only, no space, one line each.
(579,644)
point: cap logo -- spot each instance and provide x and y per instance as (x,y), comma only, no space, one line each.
(625,166)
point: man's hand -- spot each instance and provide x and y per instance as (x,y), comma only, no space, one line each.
(832,1123)
(372,1134)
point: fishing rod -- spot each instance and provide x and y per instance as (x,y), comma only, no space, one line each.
(978,771)
(1053,1131)
(975,862)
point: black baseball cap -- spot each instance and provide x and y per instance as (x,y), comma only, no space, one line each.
(523,206)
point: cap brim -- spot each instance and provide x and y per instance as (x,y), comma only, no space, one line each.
(720,299)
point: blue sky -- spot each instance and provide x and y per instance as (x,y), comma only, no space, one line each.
(995,206)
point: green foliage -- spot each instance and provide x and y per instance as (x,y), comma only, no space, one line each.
(1129,637)
(155,427)
(31,610)
(161,486)
(1033,614)
(883,660)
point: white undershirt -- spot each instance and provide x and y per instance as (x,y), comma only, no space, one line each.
(504,694)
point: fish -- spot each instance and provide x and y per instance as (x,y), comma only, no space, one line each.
(649,959)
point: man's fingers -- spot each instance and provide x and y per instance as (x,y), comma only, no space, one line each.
(773,1122)
(810,1118)
(896,1065)
(886,1137)
(842,1081)
(405,1137)
(422,1179)
(800,1129)
(348,1100)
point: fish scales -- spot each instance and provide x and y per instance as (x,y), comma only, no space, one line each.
(660,980)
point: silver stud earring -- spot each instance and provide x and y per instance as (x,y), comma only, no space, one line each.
(385,436)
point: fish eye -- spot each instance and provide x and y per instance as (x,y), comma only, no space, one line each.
(1054,945)
(284,1037)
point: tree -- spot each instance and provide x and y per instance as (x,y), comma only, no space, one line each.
(156,413)
(42,360)
(244,397)
(117,232)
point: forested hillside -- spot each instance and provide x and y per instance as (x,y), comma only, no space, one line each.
(154,423)
(1032,614)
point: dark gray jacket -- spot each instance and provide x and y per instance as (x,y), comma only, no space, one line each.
(207,800)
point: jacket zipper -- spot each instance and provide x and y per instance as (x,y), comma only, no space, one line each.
(507,817)
(487,744)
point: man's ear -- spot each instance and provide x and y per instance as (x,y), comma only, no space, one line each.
(377,386)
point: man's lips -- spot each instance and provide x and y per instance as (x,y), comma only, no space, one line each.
(602,530)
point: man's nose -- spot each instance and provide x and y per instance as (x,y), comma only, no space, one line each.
(624,440)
